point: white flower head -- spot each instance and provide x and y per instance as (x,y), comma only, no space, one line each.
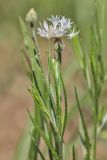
(57,27)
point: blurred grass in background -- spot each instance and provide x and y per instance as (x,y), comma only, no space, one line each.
(78,10)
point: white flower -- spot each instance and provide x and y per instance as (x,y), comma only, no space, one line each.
(46,30)
(58,27)
(65,23)
(54,20)
(50,31)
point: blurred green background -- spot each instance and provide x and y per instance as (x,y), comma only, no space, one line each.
(13,83)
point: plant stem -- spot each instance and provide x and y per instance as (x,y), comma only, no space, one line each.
(49,58)
(95,140)
(95,126)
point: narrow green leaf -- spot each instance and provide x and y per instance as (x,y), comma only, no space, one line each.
(23,147)
(41,154)
(86,136)
(78,50)
(57,82)
(73,153)
(66,106)
(36,147)
(44,137)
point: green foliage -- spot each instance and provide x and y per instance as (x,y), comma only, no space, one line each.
(91,62)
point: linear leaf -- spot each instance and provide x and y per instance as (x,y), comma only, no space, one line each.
(44,137)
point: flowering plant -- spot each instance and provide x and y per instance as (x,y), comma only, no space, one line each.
(48,91)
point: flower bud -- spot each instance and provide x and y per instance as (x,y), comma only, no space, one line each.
(59,45)
(31,16)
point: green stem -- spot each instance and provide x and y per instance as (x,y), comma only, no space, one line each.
(95,127)
(49,58)
(95,139)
